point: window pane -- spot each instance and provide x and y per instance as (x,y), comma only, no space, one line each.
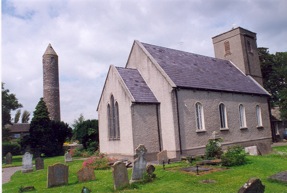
(199,116)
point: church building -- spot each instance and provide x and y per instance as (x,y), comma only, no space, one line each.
(173,100)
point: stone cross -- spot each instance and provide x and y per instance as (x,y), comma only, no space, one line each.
(8,158)
(120,175)
(139,165)
(39,162)
(27,165)
(57,175)
(68,157)
(86,174)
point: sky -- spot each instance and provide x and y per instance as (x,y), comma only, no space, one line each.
(90,35)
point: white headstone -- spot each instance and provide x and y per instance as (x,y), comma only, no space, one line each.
(252,150)
(68,157)
(27,165)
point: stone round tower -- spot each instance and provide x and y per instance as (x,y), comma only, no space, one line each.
(51,90)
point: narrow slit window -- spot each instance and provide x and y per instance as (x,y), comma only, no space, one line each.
(258,115)
(242,118)
(199,117)
(227,48)
(113,119)
(223,117)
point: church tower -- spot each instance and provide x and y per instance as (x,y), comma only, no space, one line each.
(239,46)
(51,90)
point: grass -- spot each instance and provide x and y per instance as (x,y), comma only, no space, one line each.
(169,180)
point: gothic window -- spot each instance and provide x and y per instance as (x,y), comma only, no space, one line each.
(258,116)
(199,117)
(242,118)
(223,116)
(227,48)
(113,119)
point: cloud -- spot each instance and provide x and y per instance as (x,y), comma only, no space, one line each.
(90,35)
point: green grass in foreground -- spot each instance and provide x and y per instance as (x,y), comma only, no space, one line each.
(168,181)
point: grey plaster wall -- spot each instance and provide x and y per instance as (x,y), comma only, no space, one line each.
(192,140)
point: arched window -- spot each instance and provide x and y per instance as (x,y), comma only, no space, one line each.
(242,118)
(199,117)
(223,116)
(113,119)
(227,48)
(258,115)
(117,121)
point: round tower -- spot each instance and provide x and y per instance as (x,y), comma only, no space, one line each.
(51,90)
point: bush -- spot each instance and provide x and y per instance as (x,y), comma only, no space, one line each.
(13,148)
(99,161)
(234,156)
(213,149)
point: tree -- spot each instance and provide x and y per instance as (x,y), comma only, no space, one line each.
(274,73)
(9,103)
(17,116)
(46,136)
(25,117)
(86,131)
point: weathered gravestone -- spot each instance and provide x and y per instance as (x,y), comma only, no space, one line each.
(139,165)
(251,150)
(39,162)
(68,157)
(86,174)
(150,171)
(57,175)
(27,165)
(120,175)
(8,158)
(254,185)
(162,157)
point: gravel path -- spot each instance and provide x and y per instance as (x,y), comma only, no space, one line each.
(8,172)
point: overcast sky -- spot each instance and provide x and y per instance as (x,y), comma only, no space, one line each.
(89,35)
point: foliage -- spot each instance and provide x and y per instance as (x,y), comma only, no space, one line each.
(234,156)
(17,116)
(99,161)
(46,136)
(9,103)
(25,117)
(13,148)
(86,132)
(213,149)
(274,73)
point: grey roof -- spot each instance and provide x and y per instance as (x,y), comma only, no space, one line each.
(202,72)
(19,128)
(136,85)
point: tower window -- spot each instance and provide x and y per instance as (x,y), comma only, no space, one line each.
(227,48)
(258,115)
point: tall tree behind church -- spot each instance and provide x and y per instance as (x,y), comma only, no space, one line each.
(274,73)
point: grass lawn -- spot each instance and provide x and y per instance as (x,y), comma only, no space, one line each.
(169,180)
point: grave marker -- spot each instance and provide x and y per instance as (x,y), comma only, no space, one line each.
(57,175)
(8,158)
(120,175)
(27,165)
(139,165)
(39,162)
(86,174)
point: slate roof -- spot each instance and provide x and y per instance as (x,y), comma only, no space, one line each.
(136,85)
(19,128)
(190,70)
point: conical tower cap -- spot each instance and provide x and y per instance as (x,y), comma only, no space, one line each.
(50,51)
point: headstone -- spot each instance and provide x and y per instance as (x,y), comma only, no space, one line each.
(86,174)
(264,148)
(120,175)
(39,162)
(68,157)
(8,158)
(162,157)
(252,150)
(139,165)
(254,185)
(27,165)
(150,171)
(57,175)
(281,177)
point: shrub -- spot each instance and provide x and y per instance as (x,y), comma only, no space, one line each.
(13,148)
(99,161)
(234,156)
(213,149)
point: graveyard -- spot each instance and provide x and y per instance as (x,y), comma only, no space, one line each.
(173,177)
